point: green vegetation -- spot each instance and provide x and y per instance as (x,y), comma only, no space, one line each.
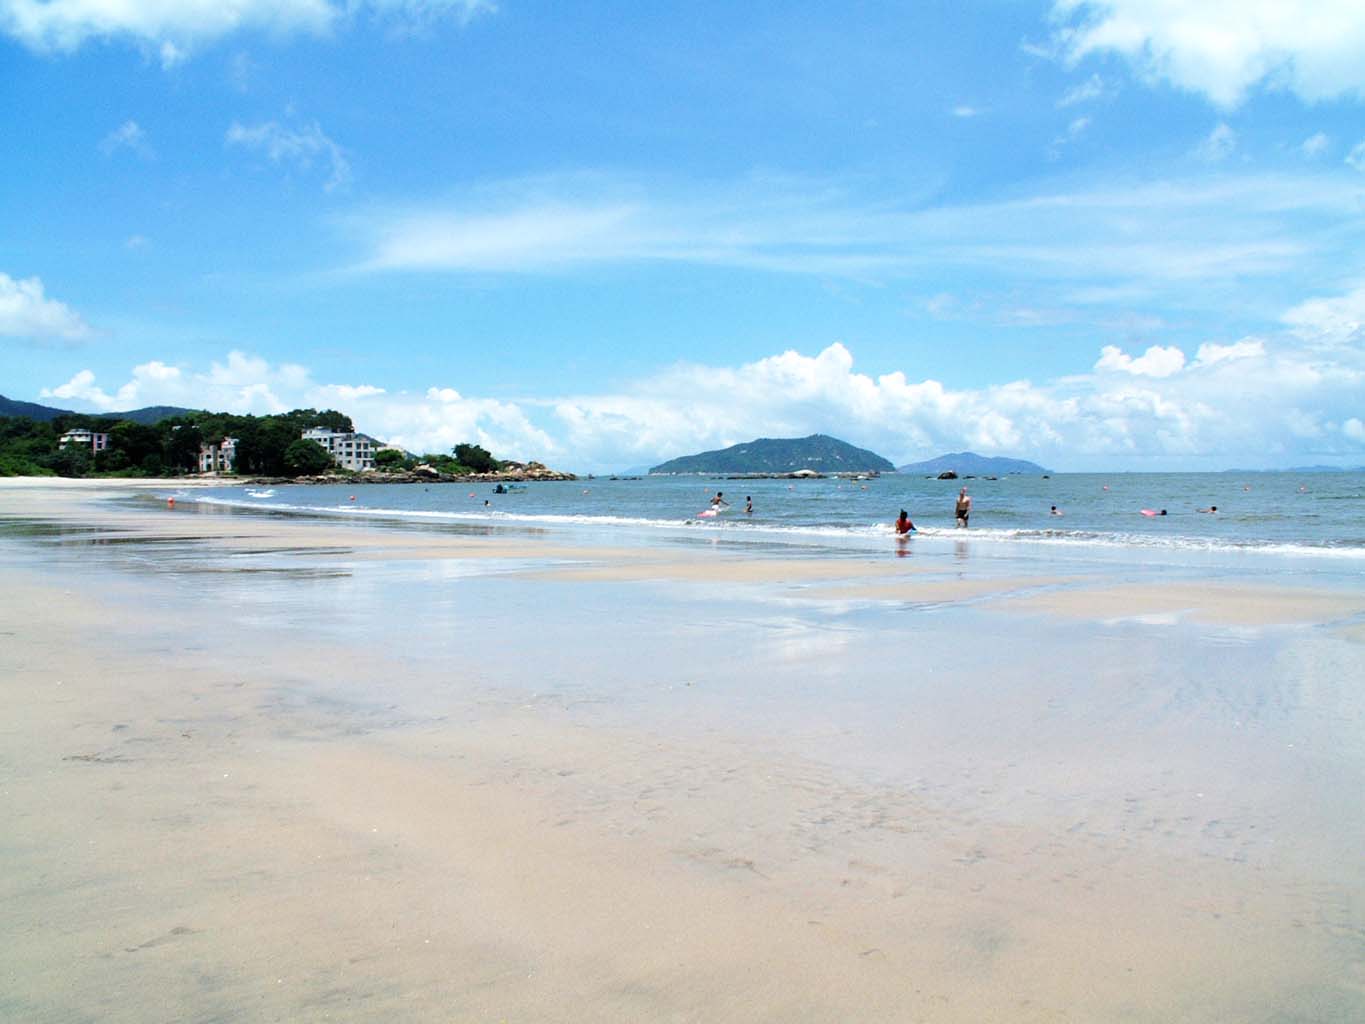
(30,447)
(476,458)
(266,446)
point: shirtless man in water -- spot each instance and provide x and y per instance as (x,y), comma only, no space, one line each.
(963,508)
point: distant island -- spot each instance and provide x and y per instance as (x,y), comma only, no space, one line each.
(818,453)
(971,464)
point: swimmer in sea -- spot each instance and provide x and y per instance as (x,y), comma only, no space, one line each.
(1211,508)
(904,526)
(719,500)
(963,508)
(1056,511)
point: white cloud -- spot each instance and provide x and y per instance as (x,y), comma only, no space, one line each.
(1236,401)
(966,111)
(26,312)
(1157,361)
(1315,145)
(1217,145)
(1092,88)
(1144,234)
(1210,352)
(1354,429)
(1356,157)
(1224,48)
(298,147)
(173,29)
(128,135)
(1329,322)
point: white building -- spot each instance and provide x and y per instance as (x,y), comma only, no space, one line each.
(97,441)
(348,450)
(218,458)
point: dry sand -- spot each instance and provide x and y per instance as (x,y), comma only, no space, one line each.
(199,829)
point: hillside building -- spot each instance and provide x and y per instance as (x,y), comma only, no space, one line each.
(218,458)
(96,441)
(348,450)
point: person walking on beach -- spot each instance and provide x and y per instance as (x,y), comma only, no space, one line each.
(963,509)
(903,525)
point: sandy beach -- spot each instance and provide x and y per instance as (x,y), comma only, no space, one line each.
(270,768)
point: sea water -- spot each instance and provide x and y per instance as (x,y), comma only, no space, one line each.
(1314,516)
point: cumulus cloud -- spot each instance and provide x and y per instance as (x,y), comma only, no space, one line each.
(1256,400)
(246,383)
(1238,400)
(172,30)
(1223,48)
(1157,361)
(26,312)
(296,146)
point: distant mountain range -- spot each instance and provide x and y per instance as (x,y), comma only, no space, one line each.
(819,452)
(971,464)
(146,416)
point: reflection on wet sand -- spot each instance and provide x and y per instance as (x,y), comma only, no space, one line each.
(380,774)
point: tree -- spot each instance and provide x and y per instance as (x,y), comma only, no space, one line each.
(73,460)
(476,458)
(180,445)
(306,458)
(390,460)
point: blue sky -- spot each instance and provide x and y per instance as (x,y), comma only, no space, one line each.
(1120,234)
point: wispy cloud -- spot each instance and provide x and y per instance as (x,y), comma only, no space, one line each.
(27,312)
(964,110)
(129,136)
(1224,48)
(298,146)
(1092,88)
(172,31)
(1138,237)
(1218,145)
(1356,157)
(1315,145)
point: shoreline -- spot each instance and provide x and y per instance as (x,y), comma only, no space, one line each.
(313,770)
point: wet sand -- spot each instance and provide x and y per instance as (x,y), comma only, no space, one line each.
(257,768)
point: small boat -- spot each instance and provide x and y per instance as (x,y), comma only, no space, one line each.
(267,493)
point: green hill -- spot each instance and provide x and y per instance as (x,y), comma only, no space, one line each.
(46,413)
(781,455)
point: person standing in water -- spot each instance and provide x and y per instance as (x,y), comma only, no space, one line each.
(748,505)
(963,509)
(719,500)
(904,526)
